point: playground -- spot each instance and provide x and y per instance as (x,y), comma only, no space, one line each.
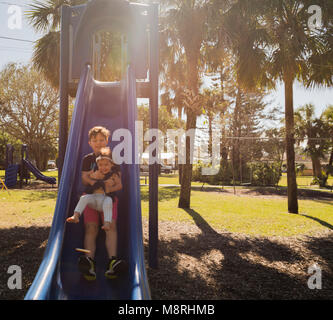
(234,198)
(215,250)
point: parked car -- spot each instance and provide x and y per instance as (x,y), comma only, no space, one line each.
(144,168)
(51,164)
(162,168)
(165,168)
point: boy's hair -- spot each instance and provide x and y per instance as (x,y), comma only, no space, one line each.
(93,132)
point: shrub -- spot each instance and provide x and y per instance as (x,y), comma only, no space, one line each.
(265,174)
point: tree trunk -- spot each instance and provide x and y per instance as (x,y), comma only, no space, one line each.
(192,55)
(329,169)
(316,166)
(236,134)
(314,173)
(186,176)
(289,122)
(210,135)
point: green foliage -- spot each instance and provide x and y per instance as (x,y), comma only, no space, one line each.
(45,17)
(300,168)
(29,111)
(256,173)
(5,139)
(265,174)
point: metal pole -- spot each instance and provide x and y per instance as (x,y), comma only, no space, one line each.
(64,71)
(153,108)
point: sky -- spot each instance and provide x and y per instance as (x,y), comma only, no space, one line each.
(21,52)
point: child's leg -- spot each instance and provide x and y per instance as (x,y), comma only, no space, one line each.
(91,223)
(107,212)
(90,236)
(111,239)
(87,199)
(111,234)
(115,266)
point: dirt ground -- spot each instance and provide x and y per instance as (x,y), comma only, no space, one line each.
(199,262)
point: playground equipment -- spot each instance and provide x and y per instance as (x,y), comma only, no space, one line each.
(26,164)
(12,169)
(3,185)
(22,169)
(112,105)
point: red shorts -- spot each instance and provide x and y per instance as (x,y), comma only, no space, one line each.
(91,215)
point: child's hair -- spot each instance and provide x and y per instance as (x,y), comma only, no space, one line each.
(105,153)
(93,132)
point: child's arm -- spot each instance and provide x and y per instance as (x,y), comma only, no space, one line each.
(113,183)
(86,178)
(90,177)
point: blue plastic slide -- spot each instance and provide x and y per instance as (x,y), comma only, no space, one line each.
(112,105)
(37,173)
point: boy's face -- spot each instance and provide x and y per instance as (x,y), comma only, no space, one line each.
(104,166)
(98,142)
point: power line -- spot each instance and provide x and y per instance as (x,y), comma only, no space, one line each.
(16,39)
(13,4)
(26,50)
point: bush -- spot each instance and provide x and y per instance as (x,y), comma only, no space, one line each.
(259,173)
(265,174)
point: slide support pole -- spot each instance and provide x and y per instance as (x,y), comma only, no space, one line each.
(64,71)
(153,168)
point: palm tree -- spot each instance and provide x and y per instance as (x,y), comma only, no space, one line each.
(184,28)
(312,129)
(45,17)
(272,41)
(293,46)
(327,119)
(212,105)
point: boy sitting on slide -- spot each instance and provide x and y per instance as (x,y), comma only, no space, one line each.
(92,179)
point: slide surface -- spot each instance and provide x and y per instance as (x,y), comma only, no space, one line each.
(37,173)
(112,105)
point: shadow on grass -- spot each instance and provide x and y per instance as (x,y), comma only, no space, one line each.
(282,191)
(23,247)
(322,222)
(213,265)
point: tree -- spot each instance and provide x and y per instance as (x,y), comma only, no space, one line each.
(272,41)
(184,25)
(312,129)
(275,145)
(5,139)
(212,105)
(46,17)
(327,119)
(165,120)
(294,46)
(29,110)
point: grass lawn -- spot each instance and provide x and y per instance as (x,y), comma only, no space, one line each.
(27,207)
(220,249)
(244,214)
(302,181)
(240,214)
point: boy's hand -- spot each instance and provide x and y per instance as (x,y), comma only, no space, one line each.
(97,175)
(86,179)
(113,183)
